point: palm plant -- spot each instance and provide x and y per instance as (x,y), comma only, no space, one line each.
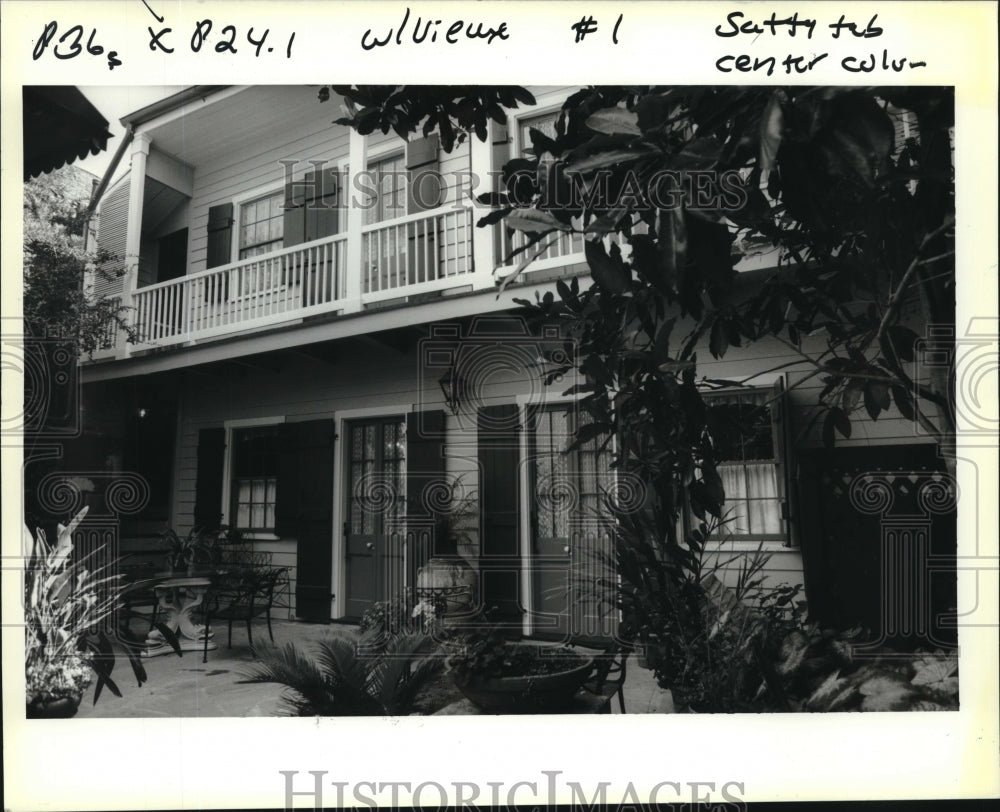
(344,679)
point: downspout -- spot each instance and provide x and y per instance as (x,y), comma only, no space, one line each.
(110,171)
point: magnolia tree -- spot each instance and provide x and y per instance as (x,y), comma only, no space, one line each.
(850,188)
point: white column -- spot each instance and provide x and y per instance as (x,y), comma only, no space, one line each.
(355,220)
(133,234)
(483,239)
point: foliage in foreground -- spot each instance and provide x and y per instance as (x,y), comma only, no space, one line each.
(345,677)
(668,186)
(66,606)
(56,303)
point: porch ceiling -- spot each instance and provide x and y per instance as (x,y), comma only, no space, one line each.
(203,134)
(158,202)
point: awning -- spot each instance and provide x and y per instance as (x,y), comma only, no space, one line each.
(60,125)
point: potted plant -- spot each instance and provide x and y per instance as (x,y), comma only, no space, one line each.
(502,676)
(65,605)
(184,554)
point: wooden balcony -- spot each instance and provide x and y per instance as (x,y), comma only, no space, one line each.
(399,258)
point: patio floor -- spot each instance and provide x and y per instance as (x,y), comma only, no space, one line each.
(186,687)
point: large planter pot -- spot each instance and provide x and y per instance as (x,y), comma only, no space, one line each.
(64,707)
(540,693)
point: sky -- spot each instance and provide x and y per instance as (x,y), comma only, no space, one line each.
(113,103)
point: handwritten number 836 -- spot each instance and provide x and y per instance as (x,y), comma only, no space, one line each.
(70,44)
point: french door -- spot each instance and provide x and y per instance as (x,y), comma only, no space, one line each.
(572,566)
(375,502)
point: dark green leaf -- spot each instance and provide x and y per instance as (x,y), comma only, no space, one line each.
(772,125)
(718,341)
(903,341)
(876,398)
(904,401)
(614,121)
(534,221)
(608,270)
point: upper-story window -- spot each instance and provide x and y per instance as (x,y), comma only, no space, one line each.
(261,225)
(389,179)
(545,123)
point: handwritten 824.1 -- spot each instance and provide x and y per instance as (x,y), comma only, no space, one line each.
(227,40)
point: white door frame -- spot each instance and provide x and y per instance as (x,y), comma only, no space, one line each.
(338,577)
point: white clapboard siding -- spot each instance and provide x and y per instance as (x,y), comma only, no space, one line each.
(256,164)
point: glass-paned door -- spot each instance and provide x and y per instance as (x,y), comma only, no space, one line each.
(376,506)
(572,553)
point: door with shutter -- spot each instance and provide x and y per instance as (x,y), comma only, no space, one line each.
(500,562)
(572,568)
(426,487)
(304,511)
(375,499)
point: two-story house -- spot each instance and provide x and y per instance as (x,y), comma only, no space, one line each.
(321,344)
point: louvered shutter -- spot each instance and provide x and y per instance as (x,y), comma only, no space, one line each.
(784,454)
(499,562)
(209,478)
(304,511)
(423,192)
(424,474)
(220,235)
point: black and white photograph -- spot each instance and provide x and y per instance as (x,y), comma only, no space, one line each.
(372,403)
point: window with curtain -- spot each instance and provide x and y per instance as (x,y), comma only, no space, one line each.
(385,249)
(262,228)
(742,429)
(388,176)
(262,225)
(254,484)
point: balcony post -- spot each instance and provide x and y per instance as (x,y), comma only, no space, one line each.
(133,234)
(483,239)
(355,220)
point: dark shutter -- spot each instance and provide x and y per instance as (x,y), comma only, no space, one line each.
(304,511)
(423,191)
(220,235)
(321,208)
(784,454)
(499,562)
(424,472)
(311,210)
(208,484)
(500,147)
(294,226)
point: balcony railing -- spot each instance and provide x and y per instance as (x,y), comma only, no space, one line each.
(252,292)
(402,257)
(416,254)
